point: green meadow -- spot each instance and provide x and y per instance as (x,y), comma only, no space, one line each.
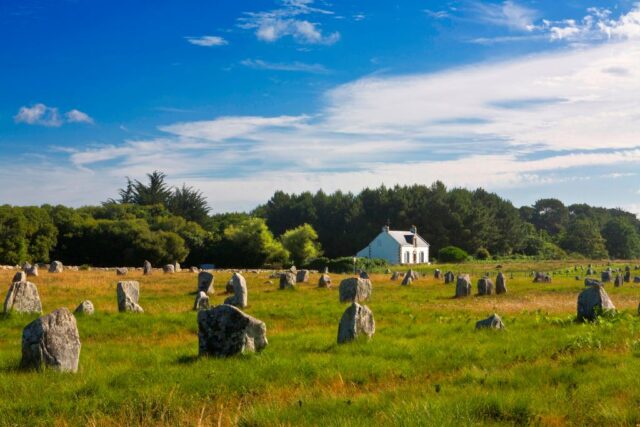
(426,364)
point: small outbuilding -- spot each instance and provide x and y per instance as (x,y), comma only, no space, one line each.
(398,247)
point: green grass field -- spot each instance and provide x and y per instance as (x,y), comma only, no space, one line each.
(426,364)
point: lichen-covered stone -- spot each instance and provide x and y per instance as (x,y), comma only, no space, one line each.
(147,268)
(225,330)
(169,268)
(463,286)
(324,281)
(287,280)
(357,320)
(355,289)
(20,276)
(56,267)
(485,286)
(128,293)
(23,298)
(239,297)
(540,277)
(593,301)
(449,277)
(205,282)
(492,322)
(302,276)
(52,340)
(122,271)
(501,284)
(202,301)
(85,307)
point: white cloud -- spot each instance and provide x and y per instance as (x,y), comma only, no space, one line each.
(40,114)
(507,14)
(292,66)
(77,116)
(207,41)
(436,14)
(286,21)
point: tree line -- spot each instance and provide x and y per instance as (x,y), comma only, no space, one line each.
(154,221)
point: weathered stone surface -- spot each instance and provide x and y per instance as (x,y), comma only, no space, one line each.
(20,276)
(287,280)
(128,293)
(485,286)
(449,277)
(239,297)
(32,270)
(85,307)
(52,340)
(169,269)
(492,322)
(636,279)
(326,270)
(355,289)
(437,273)
(619,280)
(627,276)
(205,282)
(501,284)
(23,298)
(463,286)
(194,269)
(56,267)
(592,301)
(325,281)
(357,320)
(202,301)
(122,271)
(364,275)
(606,276)
(302,276)
(147,268)
(592,282)
(395,275)
(540,277)
(176,267)
(409,277)
(225,330)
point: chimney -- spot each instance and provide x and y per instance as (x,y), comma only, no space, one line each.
(413,229)
(385,229)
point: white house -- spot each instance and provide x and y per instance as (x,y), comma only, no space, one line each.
(398,247)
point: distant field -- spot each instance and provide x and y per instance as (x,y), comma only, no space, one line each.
(426,364)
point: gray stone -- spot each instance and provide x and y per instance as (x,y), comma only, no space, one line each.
(52,340)
(326,270)
(20,276)
(395,275)
(239,297)
(636,279)
(202,301)
(592,301)
(592,282)
(619,280)
(147,268)
(56,267)
(287,280)
(23,298)
(205,282)
(408,278)
(357,320)
(194,269)
(225,330)
(364,275)
(605,276)
(463,286)
(501,284)
(492,322)
(485,286)
(355,289)
(32,271)
(302,276)
(176,267)
(627,276)
(449,277)
(169,269)
(325,281)
(85,307)
(122,271)
(128,293)
(437,273)
(541,278)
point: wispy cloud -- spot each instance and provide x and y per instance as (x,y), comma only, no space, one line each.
(437,14)
(507,14)
(42,115)
(279,66)
(286,21)
(207,41)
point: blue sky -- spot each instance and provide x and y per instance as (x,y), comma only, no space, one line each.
(530,99)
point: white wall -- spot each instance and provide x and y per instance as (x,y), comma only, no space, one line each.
(384,247)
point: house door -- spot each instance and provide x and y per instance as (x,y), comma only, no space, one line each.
(415,258)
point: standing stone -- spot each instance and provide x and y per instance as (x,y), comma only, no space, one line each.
(23,298)
(395,275)
(364,275)
(128,293)
(20,276)
(287,280)
(169,269)
(293,269)
(627,276)
(326,270)
(31,270)
(52,340)
(202,301)
(408,278)
(485,286)
(302,276)
(225,330)
(239,297)
(463,286)
(605,276)
(541,278)
(176,267)
(357,320)
(205,282)
(194,269)
(85,307)
(355,289)
(325,281)
(448,277)
(592,282)
(501,284)
(147,268)
(56,267)
(593,301)
(122,271)
(437,273)
(618,281)
(492,322)
(636,279)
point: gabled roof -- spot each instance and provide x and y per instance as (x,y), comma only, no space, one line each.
(405,238)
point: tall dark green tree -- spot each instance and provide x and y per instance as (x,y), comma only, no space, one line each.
(189,203)
(622,239)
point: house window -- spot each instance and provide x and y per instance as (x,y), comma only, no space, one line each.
(406,257)
(421,257)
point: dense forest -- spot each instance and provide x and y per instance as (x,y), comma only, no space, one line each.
(151,220)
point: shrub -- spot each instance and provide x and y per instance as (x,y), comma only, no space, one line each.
(452,254)
(483,254)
